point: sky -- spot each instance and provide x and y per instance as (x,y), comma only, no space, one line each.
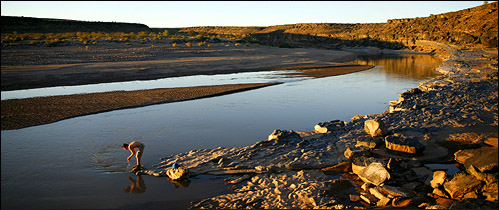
(171,14)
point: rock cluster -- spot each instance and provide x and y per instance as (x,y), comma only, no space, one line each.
(381,159)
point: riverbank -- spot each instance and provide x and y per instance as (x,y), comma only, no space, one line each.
(453,113)
(27,67)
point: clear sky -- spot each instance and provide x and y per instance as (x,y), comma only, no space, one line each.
(169,14)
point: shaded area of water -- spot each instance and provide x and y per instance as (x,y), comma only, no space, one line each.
(78,163)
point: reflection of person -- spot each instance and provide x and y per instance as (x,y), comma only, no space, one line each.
(138,186)
(131,147)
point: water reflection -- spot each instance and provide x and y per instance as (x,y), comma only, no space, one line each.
(417,67)
(180,183)
(138,185)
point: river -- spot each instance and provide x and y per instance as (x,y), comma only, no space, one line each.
(78,162)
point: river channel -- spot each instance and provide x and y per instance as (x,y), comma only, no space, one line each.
(78,162)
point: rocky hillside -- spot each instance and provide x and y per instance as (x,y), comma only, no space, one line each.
(45,25)
(476,25)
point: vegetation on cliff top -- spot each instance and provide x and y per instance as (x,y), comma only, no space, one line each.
(473,26)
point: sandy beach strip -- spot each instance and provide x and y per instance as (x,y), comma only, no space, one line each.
(21,113)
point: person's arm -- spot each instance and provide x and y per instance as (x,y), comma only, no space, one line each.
(132,150)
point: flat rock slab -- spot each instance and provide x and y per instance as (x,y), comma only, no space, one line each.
(402,143)
(483,159)
(460,185)
(368,141)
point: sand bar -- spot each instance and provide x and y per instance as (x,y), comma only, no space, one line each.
(20,113)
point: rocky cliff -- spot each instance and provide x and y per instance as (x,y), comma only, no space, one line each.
(46,25)
(473,26)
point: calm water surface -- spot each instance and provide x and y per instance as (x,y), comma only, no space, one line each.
(78,163)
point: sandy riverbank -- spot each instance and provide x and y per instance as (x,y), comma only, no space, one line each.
(26,67)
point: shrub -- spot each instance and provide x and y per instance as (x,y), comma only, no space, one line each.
(201,38)
(286,45)
(174,44)
(188,44)
(201,44)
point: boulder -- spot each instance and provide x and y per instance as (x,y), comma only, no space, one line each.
(375,173)
(181,173)
(368,141)
(375,127)
(485,158)
(461,184)
(361,162)
(330,126)
(283,134)
(439,177)
(400,142)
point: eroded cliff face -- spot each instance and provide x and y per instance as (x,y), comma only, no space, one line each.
(473,26)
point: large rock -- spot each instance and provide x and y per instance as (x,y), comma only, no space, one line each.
(375,127)
(283,134)
(400,142)
(181,173)
(439,177)
(330,126)
(368,141)
(460,185)
(483,159)
(361,162)
(375,173)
